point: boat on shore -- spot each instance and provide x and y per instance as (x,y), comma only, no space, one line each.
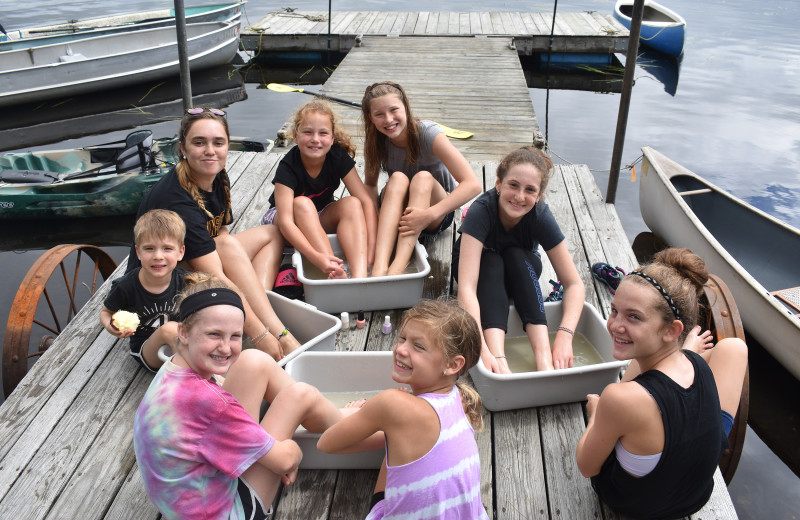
(95,181)
(112,60)
(662,28)
(755,253)
(99,26)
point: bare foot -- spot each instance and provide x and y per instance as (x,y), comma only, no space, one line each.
(377,272)
(697,342)
(352,407)
(337,274)
(503,364)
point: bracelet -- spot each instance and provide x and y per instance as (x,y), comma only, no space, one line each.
(568,331)
(283,333)
(499,357)
(264,335)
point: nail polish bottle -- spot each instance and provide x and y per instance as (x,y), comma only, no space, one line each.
(345,320)
(361,320)
(386,328)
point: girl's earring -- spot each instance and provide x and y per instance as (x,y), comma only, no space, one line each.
(444,373)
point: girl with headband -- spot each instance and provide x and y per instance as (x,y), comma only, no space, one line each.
(200,448)
(653,441)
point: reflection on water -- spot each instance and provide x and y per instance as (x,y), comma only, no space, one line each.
(519,353)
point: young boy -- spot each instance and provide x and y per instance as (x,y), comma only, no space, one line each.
(149,290)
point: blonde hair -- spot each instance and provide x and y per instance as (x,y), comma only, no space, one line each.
(160,223)
(457,334)
(375,153)
(527,155)
(682,275)
(340,137)
(185,174)
(194,283)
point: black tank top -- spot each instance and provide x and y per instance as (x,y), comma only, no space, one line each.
(694,439)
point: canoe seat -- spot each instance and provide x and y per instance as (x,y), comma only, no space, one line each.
(790,297)
(31,161)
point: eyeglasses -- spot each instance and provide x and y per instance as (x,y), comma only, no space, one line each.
(199,110)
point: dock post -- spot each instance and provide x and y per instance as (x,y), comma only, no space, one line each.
(183,55)
(625,99)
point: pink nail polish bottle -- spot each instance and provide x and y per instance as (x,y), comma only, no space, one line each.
(361,320)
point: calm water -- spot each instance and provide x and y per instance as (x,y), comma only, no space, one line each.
(735,119)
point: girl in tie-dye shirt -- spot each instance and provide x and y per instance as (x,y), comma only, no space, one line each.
(431,469)
(201,451)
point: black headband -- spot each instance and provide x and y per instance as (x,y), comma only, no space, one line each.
(207,298)
(663,292)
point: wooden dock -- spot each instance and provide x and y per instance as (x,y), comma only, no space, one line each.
(298,31)
(66,448)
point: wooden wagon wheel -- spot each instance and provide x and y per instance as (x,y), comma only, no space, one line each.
(725,322)
(66,276)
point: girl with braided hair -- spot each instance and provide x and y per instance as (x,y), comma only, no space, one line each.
(198,189)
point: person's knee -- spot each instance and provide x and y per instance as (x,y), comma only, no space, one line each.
(397,184)
(733,349)
(422,182)
(303,394)
(351,208)
(303,207)
(256,361)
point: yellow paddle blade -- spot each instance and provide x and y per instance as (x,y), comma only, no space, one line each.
(278,87)
(455,134)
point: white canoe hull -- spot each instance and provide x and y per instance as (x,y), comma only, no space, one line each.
(111,61)
(752,237)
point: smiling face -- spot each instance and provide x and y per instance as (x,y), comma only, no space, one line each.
(159,256)
(206,150)
(213,342)
(518,192)
(389,116)
(314,136)
(637,328)
(418,361)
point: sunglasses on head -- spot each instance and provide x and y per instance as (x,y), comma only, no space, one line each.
(199,110)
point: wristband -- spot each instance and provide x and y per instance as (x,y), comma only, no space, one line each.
(283,333)
(568,331)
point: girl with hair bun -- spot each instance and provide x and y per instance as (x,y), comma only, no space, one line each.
(431,464)
(653,440)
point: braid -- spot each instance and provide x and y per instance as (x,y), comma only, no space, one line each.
(472,403)
(183,172)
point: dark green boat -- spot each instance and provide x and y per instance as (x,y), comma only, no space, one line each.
(96,181)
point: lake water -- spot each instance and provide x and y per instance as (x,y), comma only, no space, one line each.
(735,119)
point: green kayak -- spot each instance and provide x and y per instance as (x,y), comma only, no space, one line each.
(96,181)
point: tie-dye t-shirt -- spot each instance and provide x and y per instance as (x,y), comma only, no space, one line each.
(192,441)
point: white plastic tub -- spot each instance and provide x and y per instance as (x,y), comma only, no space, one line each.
(526,389)
(341,372)
(366,294)
(314,329)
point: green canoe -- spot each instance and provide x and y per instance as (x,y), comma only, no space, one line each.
(96,181)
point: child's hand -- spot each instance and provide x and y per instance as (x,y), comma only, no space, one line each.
(591,404)
(697,342)
(414,221)
(562,352)
(328,263)
(121,334)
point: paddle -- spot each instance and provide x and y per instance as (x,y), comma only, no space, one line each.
(279,87)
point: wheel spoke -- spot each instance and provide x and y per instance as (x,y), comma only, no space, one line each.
(53,312)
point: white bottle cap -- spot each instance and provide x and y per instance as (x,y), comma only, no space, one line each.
(345,320)
(387,320)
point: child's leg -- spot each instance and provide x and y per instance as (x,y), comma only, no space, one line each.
(395,195)
(309,222)
(167,334)
(256,377)
(420,194)
(346,218)
(728,362)
(250,260)
(523,269)
(493,300)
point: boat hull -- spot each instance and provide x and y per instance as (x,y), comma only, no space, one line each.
(736,241)
(103,195)
(111,61)
(81,29)
(662,29)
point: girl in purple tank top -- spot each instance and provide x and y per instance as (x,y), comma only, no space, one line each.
(431,468)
